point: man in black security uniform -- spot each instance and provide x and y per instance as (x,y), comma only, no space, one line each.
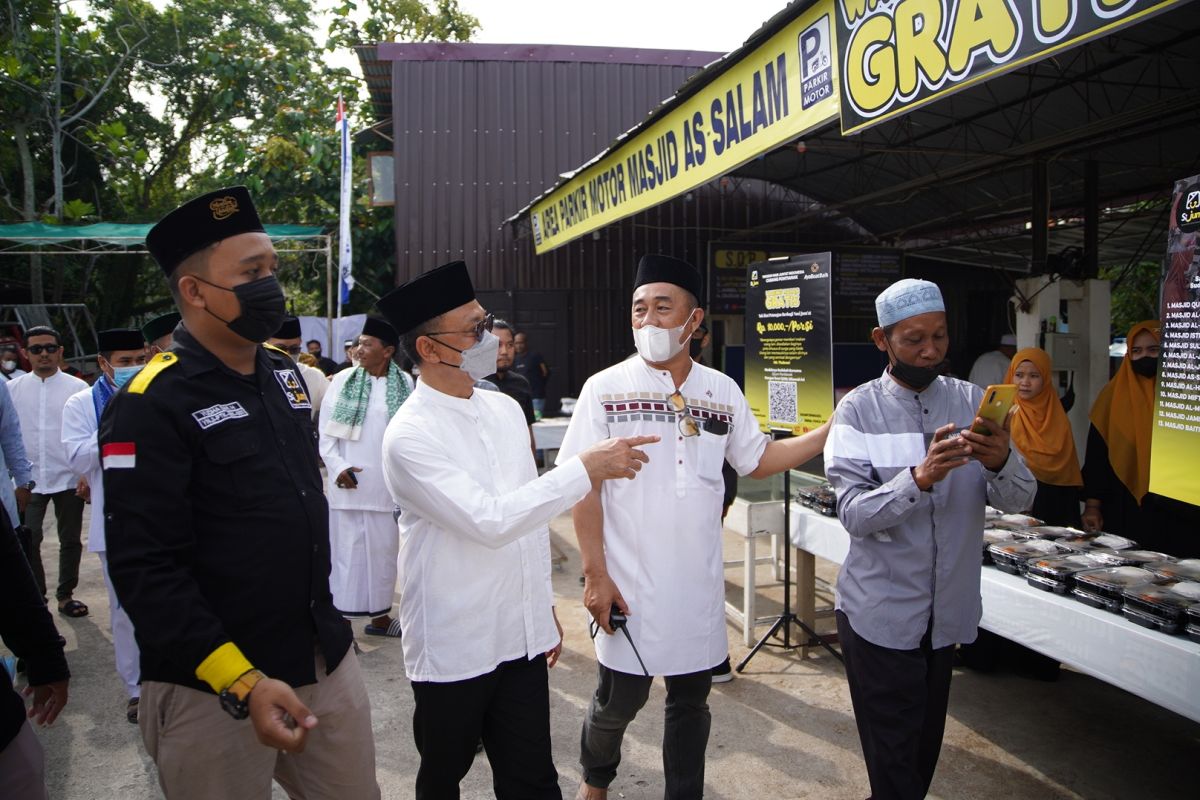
(218,538)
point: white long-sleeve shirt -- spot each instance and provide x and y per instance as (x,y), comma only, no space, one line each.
(367,454)
(80,440)
(474,546)
(39,405)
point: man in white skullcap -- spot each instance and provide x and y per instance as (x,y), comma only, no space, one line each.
(911,492)
(991,367)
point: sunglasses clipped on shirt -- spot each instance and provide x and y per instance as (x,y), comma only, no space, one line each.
(687,423)
(483,326)
(38,349)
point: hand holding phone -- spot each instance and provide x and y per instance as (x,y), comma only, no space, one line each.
(347,479)
(946,453)
(996,404)
(988,436)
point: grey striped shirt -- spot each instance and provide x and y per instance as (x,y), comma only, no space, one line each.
(912,553)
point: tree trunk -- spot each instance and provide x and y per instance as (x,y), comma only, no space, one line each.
(29,205)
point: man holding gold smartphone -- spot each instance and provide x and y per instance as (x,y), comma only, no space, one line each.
(912,481)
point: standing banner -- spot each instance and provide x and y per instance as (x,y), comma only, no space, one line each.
(1175,446)
(894,57)
(345,276)
(789,344)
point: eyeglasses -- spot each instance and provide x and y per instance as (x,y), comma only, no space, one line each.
(687,423)
(483,326)
(38,349)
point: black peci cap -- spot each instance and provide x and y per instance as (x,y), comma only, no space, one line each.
(160,326)
(382,330)
(290,329)
(665,269)
(120,339)
(427,296)
(200,222)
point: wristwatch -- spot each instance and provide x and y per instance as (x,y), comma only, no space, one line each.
(28,486)
(235,699)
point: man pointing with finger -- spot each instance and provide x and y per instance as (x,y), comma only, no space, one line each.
(911,491)
(477,606)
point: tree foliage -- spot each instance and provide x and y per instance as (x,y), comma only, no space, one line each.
(155,103)
(1134,293)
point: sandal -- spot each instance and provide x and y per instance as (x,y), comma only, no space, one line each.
(72,608)
(131,710)
(392,630)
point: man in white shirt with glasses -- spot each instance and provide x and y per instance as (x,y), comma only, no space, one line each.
(477,604)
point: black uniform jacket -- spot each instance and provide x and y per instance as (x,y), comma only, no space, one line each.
(216,524)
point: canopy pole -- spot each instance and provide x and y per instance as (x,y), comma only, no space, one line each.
(329,296)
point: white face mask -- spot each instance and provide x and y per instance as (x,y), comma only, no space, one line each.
(479,360)
(656,345)
(8,366)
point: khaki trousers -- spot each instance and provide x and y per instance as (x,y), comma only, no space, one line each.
(202,753)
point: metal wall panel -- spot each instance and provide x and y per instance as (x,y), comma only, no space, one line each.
(477,138)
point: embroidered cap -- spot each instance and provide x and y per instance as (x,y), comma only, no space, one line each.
(120,339)
(907,298)
(665,269)
(200,222)
(160,326)
(382,330)
(427,296)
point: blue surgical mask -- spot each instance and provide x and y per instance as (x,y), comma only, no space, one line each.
(123,375)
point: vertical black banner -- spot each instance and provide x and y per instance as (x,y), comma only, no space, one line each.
(789,365)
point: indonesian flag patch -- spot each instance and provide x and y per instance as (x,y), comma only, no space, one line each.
(119,455)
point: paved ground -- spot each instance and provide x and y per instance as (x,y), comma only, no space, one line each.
(783,729)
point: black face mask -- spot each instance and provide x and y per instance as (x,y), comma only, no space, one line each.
(1146,366)
(263,308)
(912,375)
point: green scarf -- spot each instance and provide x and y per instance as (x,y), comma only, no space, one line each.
(350,407)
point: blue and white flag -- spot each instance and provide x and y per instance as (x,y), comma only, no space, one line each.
(346,278)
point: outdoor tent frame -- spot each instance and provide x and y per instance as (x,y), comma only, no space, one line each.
(54,240)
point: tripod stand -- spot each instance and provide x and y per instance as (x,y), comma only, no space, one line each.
(787,618)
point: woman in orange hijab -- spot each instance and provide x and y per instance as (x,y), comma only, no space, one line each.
(1116,473)
(1042,432)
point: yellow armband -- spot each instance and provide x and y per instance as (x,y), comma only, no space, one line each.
(223,666)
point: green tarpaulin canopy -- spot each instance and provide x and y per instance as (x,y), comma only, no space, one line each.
(119,234)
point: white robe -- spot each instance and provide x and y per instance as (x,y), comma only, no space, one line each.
(363,537)
(79,438)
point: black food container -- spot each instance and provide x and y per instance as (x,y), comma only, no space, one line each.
(1162,608)
(1056,573)
(993,536)
(1011,556)
(1187,569)
(1105,588)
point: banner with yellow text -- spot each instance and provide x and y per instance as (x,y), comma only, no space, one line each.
(897,55)
(1175,444)
(789,347)
(782,89)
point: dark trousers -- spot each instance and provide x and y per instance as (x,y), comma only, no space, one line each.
(68,512)
(618,698)
(509,709)
(899,699)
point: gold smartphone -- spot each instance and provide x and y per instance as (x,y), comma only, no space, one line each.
(997,401)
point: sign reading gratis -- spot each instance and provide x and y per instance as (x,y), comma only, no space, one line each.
(897,55)
(776,92)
